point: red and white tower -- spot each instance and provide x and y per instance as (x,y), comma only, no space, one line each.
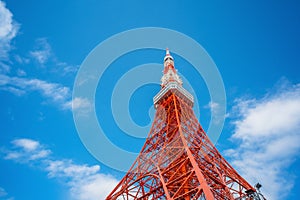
(178,161)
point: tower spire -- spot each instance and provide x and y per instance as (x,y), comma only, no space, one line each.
(168,54)
(169,73)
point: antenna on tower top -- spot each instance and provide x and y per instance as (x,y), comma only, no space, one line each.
(168,55)
(167,51)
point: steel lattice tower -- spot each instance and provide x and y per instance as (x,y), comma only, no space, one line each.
(178,161)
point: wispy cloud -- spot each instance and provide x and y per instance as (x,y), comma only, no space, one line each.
(42,51)
(53,92)
(84,182)
(81,106)
(21,72)
(21,60)
(2,192)
(213,106)
(4,68)
(23,150)
(44,55)
(8,30)
(216,112)
(268,131)
(26,144)
(64,68)
(4,195)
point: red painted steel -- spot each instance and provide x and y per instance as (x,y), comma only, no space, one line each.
(178,161)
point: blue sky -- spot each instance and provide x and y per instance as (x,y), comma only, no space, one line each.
(255,45)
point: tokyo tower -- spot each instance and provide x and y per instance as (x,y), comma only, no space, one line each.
(178,161)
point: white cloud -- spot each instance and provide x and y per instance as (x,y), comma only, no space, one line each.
(26,144)
(2,192)
(81,106)
(4,195)
(15,91)
(64,68)
(4,68)
(54,92)
(42,51)
(65,168)
(268,130)
(84,182)
(21,60)
(269,117)
(216,112)
(79,103)
(24,150)
(214,107)
(21,72)
(97,186)
(43,54)
(8,30)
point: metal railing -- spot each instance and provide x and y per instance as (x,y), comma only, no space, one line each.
(173,86)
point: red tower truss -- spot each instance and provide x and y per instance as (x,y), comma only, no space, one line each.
(178,161)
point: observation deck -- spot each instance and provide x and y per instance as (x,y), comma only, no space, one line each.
(175,88)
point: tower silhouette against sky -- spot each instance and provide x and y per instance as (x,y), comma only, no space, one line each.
(178,161)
